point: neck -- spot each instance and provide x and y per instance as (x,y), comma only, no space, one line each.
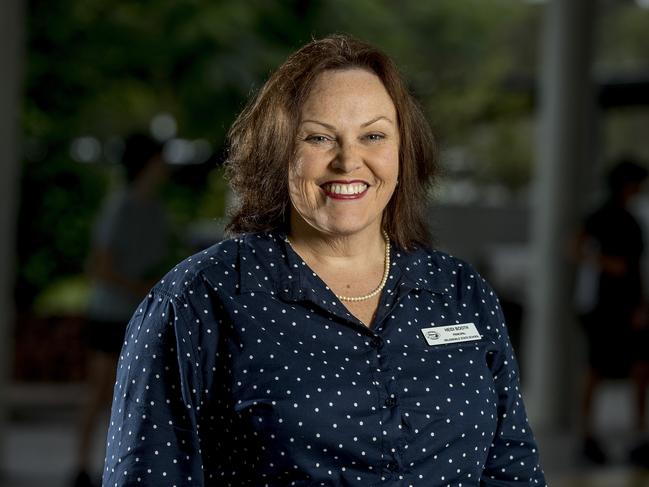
(366,245)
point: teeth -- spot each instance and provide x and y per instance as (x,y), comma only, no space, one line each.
(354,188)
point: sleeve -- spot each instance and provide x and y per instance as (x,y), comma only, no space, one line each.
(153,435)
(513,457)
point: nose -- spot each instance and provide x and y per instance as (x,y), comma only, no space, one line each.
(347,159)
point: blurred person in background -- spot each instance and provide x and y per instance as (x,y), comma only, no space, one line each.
(325,342)
(130,243)
(615,318)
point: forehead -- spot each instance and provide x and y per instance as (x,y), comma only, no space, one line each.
(352,92)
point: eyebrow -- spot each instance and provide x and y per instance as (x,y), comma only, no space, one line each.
(366,124)
(380,117)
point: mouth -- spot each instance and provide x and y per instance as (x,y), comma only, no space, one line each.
(345,189)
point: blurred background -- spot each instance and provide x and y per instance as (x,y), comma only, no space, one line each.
(532,102)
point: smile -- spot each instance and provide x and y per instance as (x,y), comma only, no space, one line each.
(345,191)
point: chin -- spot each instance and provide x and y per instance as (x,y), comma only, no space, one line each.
(336,224)
(345,229)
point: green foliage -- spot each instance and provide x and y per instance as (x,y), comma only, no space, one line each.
(106,67)
(506,148)
(622,34)
(66,297)
(457,54)
(58,202)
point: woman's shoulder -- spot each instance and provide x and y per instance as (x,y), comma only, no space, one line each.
(213,262)
(437,268)
(461,283)
(447,274)
(217,266)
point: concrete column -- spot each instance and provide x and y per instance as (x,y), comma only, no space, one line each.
(565,103)
(11,56)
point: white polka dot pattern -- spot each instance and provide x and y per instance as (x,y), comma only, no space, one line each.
(241,368)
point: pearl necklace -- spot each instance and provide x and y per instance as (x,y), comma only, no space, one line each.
(384,279)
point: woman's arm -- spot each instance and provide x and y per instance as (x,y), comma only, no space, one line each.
(153,433)
(513,458)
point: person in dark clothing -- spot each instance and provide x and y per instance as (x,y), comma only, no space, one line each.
(615,325)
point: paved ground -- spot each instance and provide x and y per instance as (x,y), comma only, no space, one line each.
(40,442)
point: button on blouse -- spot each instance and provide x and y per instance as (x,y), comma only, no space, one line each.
(242,368)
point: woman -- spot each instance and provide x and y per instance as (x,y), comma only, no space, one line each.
(325,344)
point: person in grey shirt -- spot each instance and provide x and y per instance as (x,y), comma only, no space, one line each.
(130,242)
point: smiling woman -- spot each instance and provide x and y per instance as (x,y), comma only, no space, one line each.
(341,179)
(346,160)
(269,136)
(325,343)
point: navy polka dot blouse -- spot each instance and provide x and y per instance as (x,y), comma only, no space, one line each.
(242,368)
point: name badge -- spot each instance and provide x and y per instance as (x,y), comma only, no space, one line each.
(462,332)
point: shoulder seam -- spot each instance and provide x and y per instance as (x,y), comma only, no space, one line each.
(163,292)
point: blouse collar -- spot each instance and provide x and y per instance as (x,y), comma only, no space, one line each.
(288,274)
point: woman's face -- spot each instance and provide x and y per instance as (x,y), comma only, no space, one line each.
(347,154)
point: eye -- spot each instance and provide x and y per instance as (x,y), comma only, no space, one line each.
(375,137)
(317,139)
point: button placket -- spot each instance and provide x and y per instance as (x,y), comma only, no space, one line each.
(392,467)
(391,435)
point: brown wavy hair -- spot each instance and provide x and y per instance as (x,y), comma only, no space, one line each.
(262,142)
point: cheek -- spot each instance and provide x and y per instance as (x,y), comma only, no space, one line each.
(302,169)
(295,181)
(388,166)
(300,185)
(297,175)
